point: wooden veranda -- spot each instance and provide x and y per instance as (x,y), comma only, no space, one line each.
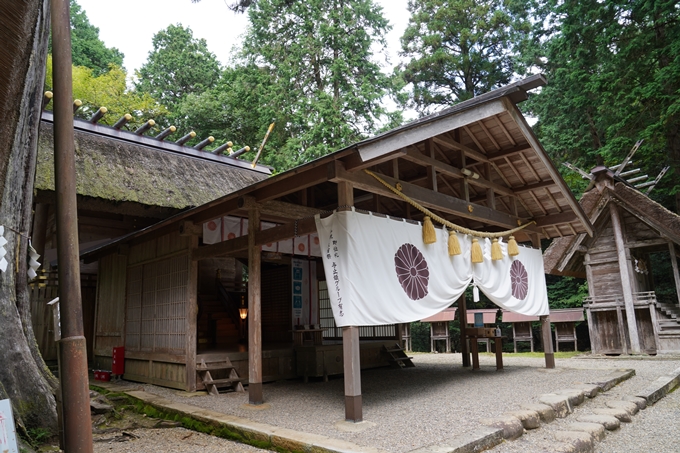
(477,164)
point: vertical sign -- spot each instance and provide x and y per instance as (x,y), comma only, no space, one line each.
(300,268)
(8,437)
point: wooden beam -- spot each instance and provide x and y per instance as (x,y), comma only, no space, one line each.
(509,152)
(254,311)
(536,186)
(429,199)
(300,227)
(419,132)
(626,281)
(277,208)
(676,273)
(191,321)
(354,162)
(556,219)
(546,338)
(454,145)
(445,169)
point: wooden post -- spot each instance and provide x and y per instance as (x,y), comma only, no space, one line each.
(462,319)
(192,321)
(676,274)
(626,283)
(352,368)
(547,342)
(39,230)
(474,348)
(254,311)
(350,338)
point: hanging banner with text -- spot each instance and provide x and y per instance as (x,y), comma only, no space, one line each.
(379,271)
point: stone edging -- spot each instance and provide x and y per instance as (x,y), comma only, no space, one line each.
(511,426)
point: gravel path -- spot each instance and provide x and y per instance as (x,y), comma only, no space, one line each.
(420,406)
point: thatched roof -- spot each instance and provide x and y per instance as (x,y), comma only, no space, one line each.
(129,168)
(593,203)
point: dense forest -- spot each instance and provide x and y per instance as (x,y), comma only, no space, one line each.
(613,70)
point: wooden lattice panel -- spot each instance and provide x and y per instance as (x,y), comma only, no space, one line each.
(156,310)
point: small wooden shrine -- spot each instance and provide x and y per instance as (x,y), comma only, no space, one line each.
(439,328)
(565,326)
(624,315)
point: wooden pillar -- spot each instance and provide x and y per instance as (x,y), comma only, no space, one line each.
(676,274)
(39,229)
(352,369)
(462,319)
(350,337)
(547,342)
(254,311)
(192,319)
(626,283)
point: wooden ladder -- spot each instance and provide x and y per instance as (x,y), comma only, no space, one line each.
(233,381)
(398,358)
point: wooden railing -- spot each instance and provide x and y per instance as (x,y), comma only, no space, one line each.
(641,299)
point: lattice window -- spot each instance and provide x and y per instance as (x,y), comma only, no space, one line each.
(156,306)
(331,331)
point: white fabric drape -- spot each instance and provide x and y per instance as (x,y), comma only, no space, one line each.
(379,271)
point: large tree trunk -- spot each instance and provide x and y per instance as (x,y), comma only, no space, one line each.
(23,376)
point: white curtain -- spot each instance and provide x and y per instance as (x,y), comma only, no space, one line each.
(379,271)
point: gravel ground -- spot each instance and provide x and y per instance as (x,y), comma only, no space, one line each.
(438,399)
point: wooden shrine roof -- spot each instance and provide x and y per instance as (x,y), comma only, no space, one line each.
(565,255)
(488,315)
(121,166)
(447,315)
(556,315)
(477,164)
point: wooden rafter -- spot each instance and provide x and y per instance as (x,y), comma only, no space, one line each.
(505,130)
(490,135)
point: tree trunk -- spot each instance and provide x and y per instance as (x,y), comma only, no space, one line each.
(24,378)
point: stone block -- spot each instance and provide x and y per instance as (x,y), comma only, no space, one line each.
(627,406)
(582,442)
(609,422)
(576,396)
(641,402)
(595,430)
(529,419)
(621,414)
(591,390)
(511,426)
(559,403)
(545,412)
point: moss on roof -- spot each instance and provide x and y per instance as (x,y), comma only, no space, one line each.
(115,170)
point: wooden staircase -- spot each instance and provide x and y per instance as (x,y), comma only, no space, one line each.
(668,319)
(398,358)
(219,366)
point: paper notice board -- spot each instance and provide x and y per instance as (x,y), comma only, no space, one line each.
(8,436)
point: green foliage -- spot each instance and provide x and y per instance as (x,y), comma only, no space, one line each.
(177,66)
(109,90)
(566,292)
(38,436)
(315,74)
(86,48)
(614,77)
(459,49)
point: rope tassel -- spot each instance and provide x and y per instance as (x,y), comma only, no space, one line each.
(454,244)
(513,249)
(429,235)
(496,251)
(476,251)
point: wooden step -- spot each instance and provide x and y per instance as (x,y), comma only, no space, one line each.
(399,359)
(224,382)
(214,367)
